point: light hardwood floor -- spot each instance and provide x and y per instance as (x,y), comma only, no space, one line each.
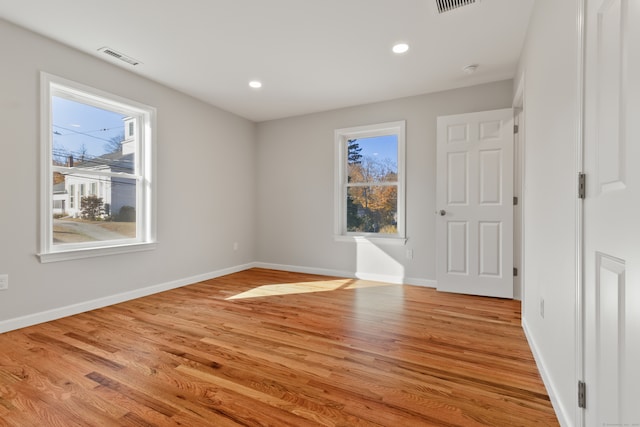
(270,348)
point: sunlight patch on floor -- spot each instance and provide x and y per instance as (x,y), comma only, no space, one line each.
(306,287)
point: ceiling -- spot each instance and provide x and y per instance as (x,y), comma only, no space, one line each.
(310,55)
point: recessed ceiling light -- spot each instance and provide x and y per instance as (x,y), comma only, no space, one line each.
(400,48)
(255,84)
(470,69)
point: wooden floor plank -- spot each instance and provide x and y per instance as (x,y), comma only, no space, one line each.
(271,348)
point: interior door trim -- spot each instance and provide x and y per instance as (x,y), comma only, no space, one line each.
(579,244)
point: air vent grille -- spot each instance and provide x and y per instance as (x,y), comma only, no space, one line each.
(447,5)
(118,55)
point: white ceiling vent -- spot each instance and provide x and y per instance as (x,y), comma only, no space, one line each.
(447,5)
(118,55)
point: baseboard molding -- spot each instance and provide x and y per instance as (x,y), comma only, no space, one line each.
(397,280)
(307,270)
(425,283)
(563,416)
(340,273)
(70,310)
(57,313)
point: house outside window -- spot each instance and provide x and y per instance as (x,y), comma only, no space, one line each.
(72,196)
(102,168)
(370,177)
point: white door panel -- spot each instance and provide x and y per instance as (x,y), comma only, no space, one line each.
(475,203)
(458,247)
(458,188)
(612,213)
(490,248)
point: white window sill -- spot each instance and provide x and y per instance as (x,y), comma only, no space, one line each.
(73,254)
(376,240)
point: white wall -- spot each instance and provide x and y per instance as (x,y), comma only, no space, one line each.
(296,185)
(216,186)
(549,69)
(205,183)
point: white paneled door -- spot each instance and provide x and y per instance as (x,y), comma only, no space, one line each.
(612,213)
(474,225)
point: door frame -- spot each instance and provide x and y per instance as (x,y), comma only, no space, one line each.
(519,105)
(579,214)
(519,150)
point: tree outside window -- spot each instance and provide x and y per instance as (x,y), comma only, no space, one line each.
(372,185)
(370,182)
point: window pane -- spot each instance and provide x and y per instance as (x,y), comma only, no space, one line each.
(99,196)
(373,159)
(372,209)
(108,214)
(91,138)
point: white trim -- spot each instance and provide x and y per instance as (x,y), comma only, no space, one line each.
(373,239)
(46,145)
(81,253)
(307,270)
(425,283)
(561,412)
(580,303)
(341,136)
(386,278)
(57,313)
(518,189)
(82,307)
(51,85)
(400,280)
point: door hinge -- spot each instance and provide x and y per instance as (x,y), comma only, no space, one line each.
(516,128)
(582,394)
(582,188)
(515,272)
(515,201)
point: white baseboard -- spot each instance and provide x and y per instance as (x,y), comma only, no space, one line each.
(307,270)
(426,283)
(563,416)
(69,310)
(339,273)
(57,313)
(398,280)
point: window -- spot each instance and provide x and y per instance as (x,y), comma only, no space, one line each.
(370,180)
(84,148)
(72,196)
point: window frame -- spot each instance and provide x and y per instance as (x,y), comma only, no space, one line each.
(341,137)
(51,85)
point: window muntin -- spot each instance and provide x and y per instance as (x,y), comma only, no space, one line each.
(105,174)
(370,181)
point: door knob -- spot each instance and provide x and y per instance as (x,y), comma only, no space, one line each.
(442,212)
